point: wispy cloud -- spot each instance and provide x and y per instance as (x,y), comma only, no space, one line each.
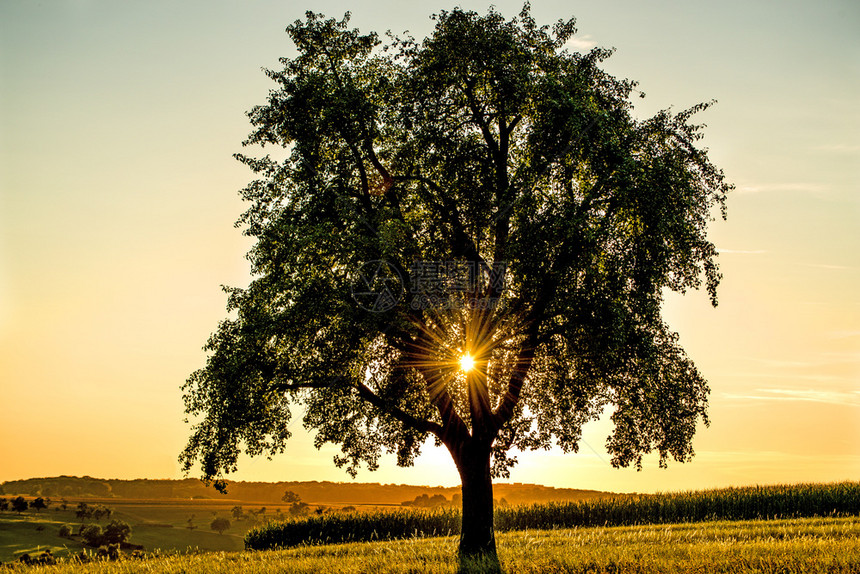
(786,364)
(824,266)
(848,398)
(839,148)
(742,251)
(782,187)
(584,42)
(782,376)
(845,335)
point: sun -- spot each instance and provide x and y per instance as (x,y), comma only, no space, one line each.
(467,362)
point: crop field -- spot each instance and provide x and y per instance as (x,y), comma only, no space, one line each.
(808,545)
(760,502)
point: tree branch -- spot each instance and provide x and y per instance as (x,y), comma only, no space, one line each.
(505,410)
(478,116)
(281,387)
(453,429)
(462,244)
(418,424)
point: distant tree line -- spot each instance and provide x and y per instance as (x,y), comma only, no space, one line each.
(19,504)
(439,501)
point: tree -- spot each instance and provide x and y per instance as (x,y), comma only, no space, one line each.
(299,508)
(425,501)
(38,504)
(4,504)
(100,511)
(220,524)
(19,505)
(290,497)
(469,240)
(83,511)
(65,531)
(117,532)
(92,535)
(238,512)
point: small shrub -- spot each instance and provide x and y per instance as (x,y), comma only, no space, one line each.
(116,532)
(65,531)
(92,535)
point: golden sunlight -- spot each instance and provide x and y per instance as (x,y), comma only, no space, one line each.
(467,362)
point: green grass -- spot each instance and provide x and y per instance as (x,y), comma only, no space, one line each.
(805,545)
(155,525)
(18,535)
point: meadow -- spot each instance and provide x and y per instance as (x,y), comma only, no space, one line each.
(784,528)
(156,524)
(808,545)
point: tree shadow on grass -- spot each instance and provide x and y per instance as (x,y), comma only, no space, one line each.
(482,564)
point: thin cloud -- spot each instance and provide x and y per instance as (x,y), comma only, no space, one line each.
(580,43)
(845,335)
(817,378)
(742,251)
(824,266)
(839,148)
(786,364)
(849,398)
(782,187)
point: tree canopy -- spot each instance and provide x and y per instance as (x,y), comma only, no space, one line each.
(515,225)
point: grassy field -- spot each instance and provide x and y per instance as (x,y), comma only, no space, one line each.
(156,524)
(806,545)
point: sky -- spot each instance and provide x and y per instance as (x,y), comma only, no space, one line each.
(118,195)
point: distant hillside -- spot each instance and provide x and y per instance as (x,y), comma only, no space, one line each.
(271,492)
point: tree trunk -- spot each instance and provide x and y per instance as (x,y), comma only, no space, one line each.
(477,537)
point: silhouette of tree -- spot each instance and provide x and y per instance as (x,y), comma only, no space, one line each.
(19,505)
(514,170)
(117,532)
(38,503)
(83,511)
(92,535)
(220,524)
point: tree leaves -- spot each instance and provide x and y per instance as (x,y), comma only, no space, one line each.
(486,142)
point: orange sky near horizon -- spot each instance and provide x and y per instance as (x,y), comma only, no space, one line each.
(118,195)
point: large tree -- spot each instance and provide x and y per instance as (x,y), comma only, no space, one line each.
(465,239)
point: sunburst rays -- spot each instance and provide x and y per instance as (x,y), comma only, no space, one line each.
(459,348)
